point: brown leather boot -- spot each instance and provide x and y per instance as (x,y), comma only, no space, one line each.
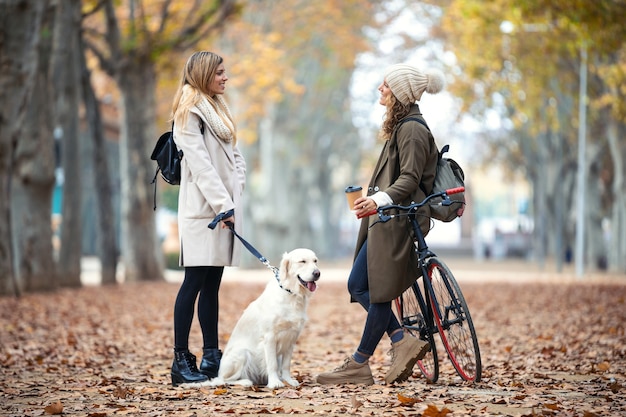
(351,372)
(404,355)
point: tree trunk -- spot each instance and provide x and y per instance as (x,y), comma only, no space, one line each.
(595,243)
(65,83)
(141,254)
(20,24)
(559,202)
(33,180)
(617,247)
(565,159)
(107,248)
(542,221)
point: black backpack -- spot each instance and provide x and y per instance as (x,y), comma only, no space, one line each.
(168,158)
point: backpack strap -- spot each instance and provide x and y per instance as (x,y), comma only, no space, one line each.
(422,122)
(416,119)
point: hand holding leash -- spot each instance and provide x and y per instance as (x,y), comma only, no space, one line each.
(228,216)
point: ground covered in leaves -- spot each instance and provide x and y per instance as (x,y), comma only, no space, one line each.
(550,346)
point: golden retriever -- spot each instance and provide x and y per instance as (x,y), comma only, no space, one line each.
(261,344)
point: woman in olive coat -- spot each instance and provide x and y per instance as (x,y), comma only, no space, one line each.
(385,263)
(212,182)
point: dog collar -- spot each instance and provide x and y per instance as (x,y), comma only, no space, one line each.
(276,275)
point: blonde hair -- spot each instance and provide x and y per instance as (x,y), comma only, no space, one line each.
(396,110)
(195,82)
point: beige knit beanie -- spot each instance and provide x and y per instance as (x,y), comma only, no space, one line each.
(408,83)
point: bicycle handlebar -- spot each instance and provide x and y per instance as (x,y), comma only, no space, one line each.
(412,207)
(455,190)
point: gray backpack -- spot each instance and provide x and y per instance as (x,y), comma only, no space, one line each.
(449,175)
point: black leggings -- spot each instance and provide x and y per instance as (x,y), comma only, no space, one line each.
(203,280)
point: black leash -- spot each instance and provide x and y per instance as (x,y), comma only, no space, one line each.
(248,246)
(251,248)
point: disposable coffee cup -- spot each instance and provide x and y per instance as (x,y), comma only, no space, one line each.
(352,193)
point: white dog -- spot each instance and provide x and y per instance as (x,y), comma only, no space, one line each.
(260,347)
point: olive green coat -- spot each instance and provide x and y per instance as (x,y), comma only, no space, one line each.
(408,158)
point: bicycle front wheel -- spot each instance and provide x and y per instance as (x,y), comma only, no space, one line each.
(454,322)
(412,320)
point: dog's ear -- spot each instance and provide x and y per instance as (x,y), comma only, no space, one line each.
(284,263)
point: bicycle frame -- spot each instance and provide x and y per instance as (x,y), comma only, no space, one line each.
(423,253)
(440,300)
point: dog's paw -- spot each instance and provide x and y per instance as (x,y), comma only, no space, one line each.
(216,382)
(275,383)
(292,382)
(195,384)
(242,383)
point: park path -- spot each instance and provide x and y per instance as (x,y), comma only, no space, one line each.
(551,344)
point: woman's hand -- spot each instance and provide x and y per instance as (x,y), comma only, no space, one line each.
(364,206)
(227,221)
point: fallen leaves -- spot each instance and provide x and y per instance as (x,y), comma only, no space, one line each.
(407,400)
(121,392)
(356,404)
(547,349)
(433,411)
(604,366)
(55,408)
(615,386)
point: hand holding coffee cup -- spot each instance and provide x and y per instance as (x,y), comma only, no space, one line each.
(352,193)
(364,207)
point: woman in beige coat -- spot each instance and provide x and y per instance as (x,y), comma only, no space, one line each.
(385,264)
(212,181)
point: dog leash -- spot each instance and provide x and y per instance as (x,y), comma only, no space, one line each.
(248,246)
(252,249)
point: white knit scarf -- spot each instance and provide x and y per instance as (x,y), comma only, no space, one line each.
(217,123)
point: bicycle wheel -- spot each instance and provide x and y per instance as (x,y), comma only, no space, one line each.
(412,320)
(454,322)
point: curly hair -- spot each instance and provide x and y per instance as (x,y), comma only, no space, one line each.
(395,112)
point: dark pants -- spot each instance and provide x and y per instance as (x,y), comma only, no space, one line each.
(203,280)
(380,318)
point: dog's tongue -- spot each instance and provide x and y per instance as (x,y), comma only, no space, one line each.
(312,286)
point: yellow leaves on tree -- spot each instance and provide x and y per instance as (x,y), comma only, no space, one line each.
(272,39)
(533,46)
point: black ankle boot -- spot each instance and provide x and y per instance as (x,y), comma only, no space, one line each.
(210,362)
(184,369)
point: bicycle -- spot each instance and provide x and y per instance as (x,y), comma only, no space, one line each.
(436,304)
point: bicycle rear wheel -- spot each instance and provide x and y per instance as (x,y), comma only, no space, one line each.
(454,322)
(412,320)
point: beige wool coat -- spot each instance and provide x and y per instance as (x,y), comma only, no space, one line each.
(213,177)
(408,158)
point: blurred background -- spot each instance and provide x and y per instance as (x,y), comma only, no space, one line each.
(533,111)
